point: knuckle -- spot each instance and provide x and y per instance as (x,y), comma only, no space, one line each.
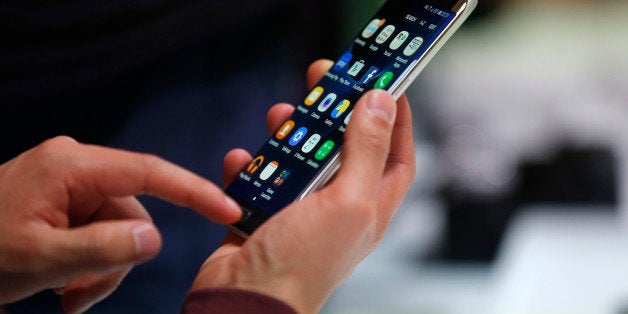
(149,164)
(95,248)
(56,144)
(50,159)
(150,161)
(53,151)
(375,139)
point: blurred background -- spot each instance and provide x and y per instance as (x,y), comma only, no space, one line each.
(519,203)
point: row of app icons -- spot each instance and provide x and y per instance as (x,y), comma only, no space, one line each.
(309,145)
(268,171)
(327,102)
(273,166)
(356,72)
(398,40)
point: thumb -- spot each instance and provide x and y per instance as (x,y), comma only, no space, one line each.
(367,142)
(104,246)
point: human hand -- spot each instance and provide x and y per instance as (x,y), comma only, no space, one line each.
(305,251)
(68,218)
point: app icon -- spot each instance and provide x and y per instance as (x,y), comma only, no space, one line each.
(385,34)
(311,143)
(369,75)
(298,136)
(340,109)
(314,95)
(327,102)
(372,28)
(399,40)
(348,118)
(324,151)
(356,68)
(255,165)
(343,62)
(283,176)
(284,130)
(384,80)
(269,170)
(413,46)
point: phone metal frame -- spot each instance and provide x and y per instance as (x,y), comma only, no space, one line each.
(463,9)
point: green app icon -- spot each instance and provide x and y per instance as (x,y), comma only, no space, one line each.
(324,150)
(384,80)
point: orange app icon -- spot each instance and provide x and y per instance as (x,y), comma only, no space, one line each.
(284,130)
(255,165)
(314,95)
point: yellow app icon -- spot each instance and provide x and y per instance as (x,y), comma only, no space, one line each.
(314,95)
(284,130)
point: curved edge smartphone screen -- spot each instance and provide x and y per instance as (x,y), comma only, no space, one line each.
(392,42)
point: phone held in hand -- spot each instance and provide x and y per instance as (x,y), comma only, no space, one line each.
(304,153)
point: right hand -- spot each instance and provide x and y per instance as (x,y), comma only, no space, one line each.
(69,218)
(306,250)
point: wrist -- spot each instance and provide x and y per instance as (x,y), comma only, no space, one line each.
(290,291)
(222,300)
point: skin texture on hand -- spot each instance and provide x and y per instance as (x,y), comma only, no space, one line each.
(69,218)
(306,250)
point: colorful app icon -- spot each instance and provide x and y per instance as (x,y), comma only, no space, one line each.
(255,165)
(343,62)
(369,75)
(384,80)
(413,46)
(385,34)
(281,179)
(340,109)
(356,68)
(311,143)
(284,130)
(327,102)
(399,40)
(372,28)
(314,95)
(324,150)
(298,136)
(348,118)
(269,170)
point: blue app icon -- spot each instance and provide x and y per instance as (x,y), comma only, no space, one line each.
(298,136)
(369,75)
(343,62)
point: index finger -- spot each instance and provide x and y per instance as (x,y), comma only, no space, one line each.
(316,71)
(113,172)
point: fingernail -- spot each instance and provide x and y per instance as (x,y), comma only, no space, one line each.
(147,241)
(233,205)
(378,104)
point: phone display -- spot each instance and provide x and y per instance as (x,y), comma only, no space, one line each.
(304,152)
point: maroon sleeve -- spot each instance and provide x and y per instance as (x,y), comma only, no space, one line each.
(232,301)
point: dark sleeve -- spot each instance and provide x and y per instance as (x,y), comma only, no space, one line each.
(232,301)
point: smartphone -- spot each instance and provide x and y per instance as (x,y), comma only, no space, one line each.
(304,153)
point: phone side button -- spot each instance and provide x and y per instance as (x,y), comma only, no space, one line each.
(246,214)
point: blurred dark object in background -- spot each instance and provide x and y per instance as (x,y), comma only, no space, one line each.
(80,68)
(573,176)
(185,80)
